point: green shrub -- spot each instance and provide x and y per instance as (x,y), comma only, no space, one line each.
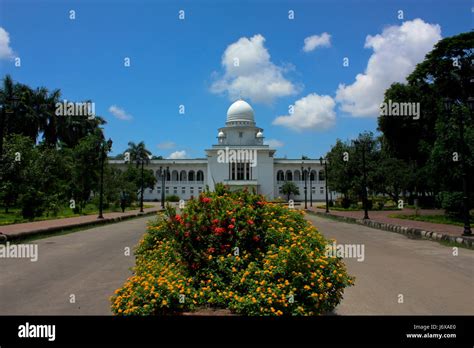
(235,251)
(452,203)
(172,198)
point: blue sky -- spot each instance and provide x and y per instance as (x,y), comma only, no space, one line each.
(176,62)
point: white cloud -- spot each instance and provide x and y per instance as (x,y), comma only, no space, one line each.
(313,41)
(256,77)
(274,143)
(396,52)
(120,113)
(178,155)
(6,51)
(166,145)
(315,112)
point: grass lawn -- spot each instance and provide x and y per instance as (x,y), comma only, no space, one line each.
(437,219)
(14,214)
(356,209)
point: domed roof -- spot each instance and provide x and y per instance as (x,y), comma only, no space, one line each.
(259,134)
(240,111)
(221,134)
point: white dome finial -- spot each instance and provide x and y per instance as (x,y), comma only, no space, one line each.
(240,111)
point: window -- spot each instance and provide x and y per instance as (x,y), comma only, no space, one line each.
(321,175)
(199,189)
(241,134)
(279,190)
(240,171)
(175,190)
(167,190)
(191,190)
(200,176)
(183,190)
(321,190)
(280,176)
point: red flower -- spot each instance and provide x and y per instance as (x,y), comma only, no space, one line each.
(261,203)
(205,200)
(250,222)
(187,234)
(211,250)
(231,226)
(256,238)
(177,217)
(232,220)
(215,221)
(219,230)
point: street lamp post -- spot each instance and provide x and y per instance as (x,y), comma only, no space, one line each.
(163,173)
(105,147)
(449,104)
(325,180)
(310,188)
(142,162)
(364,178)
(305,188)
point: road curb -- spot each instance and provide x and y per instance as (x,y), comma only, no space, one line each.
(408,231)
(52,230)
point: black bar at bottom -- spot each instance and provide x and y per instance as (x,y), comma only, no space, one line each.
(249,330)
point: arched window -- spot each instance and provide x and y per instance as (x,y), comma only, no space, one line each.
(158,176)
(182,176)
(168,175)
(297,176)
(174,175)
(289,175)
(191,175)
(322,177)
(200,175)
(280,176)
(313,175)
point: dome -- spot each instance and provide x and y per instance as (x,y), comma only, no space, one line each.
(221,134)
(259,135)
(240,111)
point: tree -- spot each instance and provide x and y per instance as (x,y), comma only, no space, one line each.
(289,188)
(85,171)
(431,144)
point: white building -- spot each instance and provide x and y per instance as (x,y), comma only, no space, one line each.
(239,159)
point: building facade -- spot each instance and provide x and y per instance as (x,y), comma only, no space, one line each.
(240,159)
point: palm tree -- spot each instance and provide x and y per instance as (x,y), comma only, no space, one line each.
(289,188)
(140,155)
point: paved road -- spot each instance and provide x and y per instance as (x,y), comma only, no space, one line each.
(90,264)
(430,278)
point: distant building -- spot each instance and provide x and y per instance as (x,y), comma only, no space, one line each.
(239,159)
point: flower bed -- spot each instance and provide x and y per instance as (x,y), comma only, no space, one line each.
(235,251)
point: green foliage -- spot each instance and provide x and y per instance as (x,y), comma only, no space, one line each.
(172,198)
(452,203)
(235,251)
(289,188)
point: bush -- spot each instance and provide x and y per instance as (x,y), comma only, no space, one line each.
(452,203)
(344,202)
(235,251)
(172,198)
